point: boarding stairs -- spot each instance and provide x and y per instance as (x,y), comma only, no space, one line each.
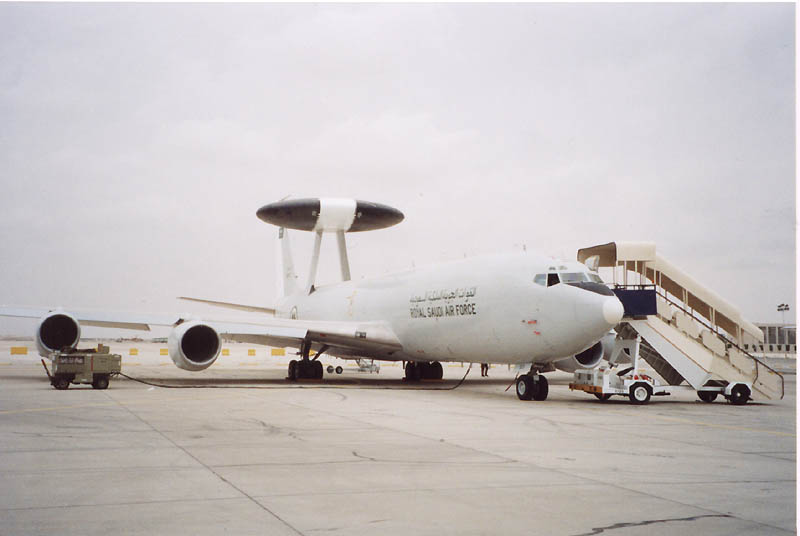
(689,335)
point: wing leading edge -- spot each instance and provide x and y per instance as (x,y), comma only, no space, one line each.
(367,339)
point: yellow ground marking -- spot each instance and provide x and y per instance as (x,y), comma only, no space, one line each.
(725,426)
(226,351)
(278,351)
(133,351)
(251,352)
(19,350)
(163,351)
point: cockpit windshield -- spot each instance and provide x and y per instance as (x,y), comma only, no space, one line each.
(550,279)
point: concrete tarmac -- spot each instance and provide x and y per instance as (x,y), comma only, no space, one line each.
(367,454)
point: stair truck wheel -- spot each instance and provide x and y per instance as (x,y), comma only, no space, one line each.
(740,394)
(339,370)
(602,397)
(525,387)
(707,396)
(541,390)
(293,370)
(640,393)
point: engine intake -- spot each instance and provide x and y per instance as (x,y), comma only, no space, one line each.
(194,345)
(588,359)
(57,331)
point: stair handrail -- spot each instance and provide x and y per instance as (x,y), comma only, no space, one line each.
(723,338)
(663,294)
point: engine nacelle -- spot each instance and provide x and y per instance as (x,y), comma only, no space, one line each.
(194,345)
(588,359)
(57,330)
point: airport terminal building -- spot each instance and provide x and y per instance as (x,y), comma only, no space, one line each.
(780,340)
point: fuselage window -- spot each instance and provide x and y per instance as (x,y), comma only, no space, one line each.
(552,279)
(540,279)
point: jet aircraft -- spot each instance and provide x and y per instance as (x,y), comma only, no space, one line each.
(520,308)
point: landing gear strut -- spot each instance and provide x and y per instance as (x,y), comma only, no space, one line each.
(305,368)
(421,370)
(532,386)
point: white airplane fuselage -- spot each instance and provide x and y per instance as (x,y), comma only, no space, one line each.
(483,309)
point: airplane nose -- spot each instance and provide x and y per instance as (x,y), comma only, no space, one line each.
(613,310)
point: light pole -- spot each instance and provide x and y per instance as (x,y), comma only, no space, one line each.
(782,308)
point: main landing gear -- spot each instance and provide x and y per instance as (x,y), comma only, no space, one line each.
(532,386)
(305,368)
(421,370)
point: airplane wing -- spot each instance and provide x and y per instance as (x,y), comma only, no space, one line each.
(356,338)
(103,319)
(228,305)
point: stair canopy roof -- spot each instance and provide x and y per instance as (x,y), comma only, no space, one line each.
(704,301)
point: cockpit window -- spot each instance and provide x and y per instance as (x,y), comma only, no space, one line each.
(595,278)
(540,279)
(573,277)
(552,279)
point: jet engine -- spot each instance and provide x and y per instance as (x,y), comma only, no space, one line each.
(194,345)
(57,330)
(588,359)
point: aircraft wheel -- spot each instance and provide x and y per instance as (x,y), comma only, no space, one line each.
(61,383)
(413,371)
(339,370)
(293,370)
(541,390)
(740,394)
(436,371)
(100,382)
(317,370)
(707,396)
(640,393)
(602,397)
(525,387)
(330,369)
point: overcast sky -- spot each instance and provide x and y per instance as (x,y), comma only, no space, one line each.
(137,141)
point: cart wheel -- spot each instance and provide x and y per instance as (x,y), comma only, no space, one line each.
(100,382)
(707,396)
(602,397)
(330,369)
(640,393)
(61,383)
(339,370)
(541,390)
(740,394)
(525,387)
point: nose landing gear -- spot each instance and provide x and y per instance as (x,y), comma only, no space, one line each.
(532,386)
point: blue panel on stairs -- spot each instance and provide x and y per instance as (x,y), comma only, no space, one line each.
(637,302)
